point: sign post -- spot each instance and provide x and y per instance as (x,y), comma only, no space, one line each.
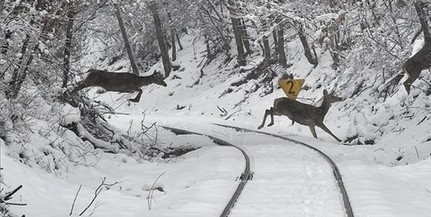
(291,87)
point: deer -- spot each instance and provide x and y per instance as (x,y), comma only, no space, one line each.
(421,60)
(122,82)
(302,113)
(415,64)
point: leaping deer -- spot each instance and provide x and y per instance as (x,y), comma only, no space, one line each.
(304,114)
(120,82)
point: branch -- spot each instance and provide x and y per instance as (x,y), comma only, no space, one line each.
(97,192)
(9,195)
(74,200)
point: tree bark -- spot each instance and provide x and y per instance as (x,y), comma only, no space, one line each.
(266,48)
(126,40)
(274,36)
(236,26)
(312,59)
(244,36)
(174,47)
(178,40)
(68,43)
(13,89)
(280,47)
(160,39)
(173,34)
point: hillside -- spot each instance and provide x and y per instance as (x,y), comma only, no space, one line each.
(63,149)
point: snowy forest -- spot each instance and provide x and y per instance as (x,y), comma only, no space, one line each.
(78,140)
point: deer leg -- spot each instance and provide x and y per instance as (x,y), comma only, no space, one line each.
(412,78)
(264,118)
(313,131)
(273,111)
(324,128)
(138,97)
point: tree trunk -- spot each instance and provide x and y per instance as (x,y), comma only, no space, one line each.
(13,89)
(160,39)
(174,47)
(244,36)
(312,59)
(280,47)
(236,26)
(173,34)
(266,48)
(274,36)
(178,40)
(126,40)
(68,43)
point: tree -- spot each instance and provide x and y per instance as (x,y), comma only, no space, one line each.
(126,40)
(311,57)
(68,42)
(167,65)
(237,31)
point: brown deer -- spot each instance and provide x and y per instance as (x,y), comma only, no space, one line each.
(121,82)
(304,114)
(415,64)
(421,60)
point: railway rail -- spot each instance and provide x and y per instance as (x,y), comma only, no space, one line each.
(337,175)
(245,176)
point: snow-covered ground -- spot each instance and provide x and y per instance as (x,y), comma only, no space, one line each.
(388,178)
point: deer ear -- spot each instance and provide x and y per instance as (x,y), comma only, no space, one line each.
(325,92)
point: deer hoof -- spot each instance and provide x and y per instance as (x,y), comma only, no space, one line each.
(259,127)
(270,124)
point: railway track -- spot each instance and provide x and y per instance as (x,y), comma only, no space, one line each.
(337,175)
(247,173)
(244,176)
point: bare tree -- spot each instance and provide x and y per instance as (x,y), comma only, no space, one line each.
(167,65)
(126,40)
(237,31)
(68,42)
(311,57)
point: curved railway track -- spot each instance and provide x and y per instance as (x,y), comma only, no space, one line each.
(247,173)
(244,176)
(336,171)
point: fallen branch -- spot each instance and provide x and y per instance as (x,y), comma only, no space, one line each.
(10,194)
(74,200)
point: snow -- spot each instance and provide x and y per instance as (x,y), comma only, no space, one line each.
(389,178)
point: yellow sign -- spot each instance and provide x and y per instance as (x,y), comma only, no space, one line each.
(291,87)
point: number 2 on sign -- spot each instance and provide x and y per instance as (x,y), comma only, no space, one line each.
(289,85)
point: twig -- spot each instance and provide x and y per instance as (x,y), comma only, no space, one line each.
(16,204)
(417,152)
(96,193)
(74,200)
(150,193)
(9,195)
